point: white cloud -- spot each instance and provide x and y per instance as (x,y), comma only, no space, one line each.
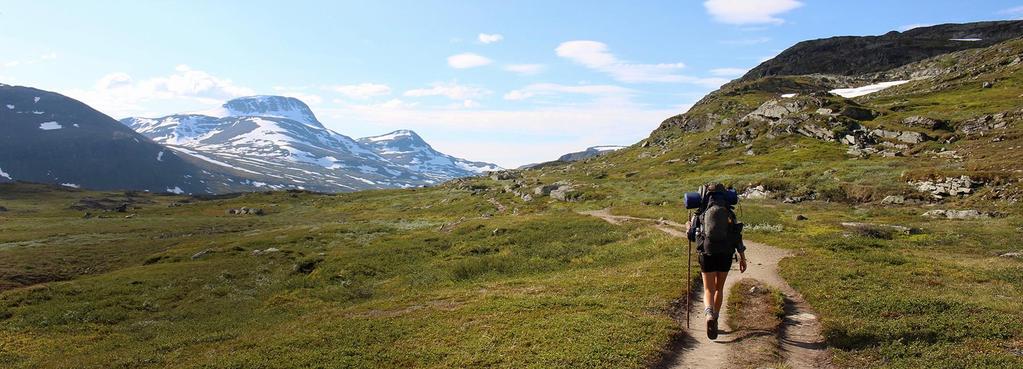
(542,89)
(118,94)
(48,56)
(468,60)
(450,90)
(728,72)
(363,90)
(490,38)
(1016,11)
(12,63)
(595,55)
(525,69)
(750,11)
(508,138)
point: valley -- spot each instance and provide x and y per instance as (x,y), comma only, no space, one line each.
(887,194)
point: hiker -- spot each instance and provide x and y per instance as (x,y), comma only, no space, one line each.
(718,236)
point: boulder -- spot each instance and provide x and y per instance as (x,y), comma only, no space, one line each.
(564,193)
(202,253)
(857,113)
(893,200)
(957,214)
(912,137)
(1017,255)
(757,192)
(544,190)
(949,186)
(887,227)
(269,250)
(801,217)
(923,122)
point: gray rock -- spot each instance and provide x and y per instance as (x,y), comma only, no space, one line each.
(757,192)
(923,122)
(891,227)
(857,113)
(912,137)
(987,85)
(957,214)
(893,200)
(202,253)
(801,217)
(564,193)
(545,190)
(949,186)
(1012,255)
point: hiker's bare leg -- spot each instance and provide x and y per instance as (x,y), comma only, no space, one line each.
(709,282)
(719,290)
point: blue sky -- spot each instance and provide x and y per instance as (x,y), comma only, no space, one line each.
(510,82)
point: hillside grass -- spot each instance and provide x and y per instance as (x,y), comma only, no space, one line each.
(427,278)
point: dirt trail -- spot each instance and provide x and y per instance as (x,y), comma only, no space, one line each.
(801,342)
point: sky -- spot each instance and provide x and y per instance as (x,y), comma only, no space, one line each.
(508,82)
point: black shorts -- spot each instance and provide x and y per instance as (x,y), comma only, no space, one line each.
(715,263)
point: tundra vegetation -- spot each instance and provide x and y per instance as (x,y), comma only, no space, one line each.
(498,272)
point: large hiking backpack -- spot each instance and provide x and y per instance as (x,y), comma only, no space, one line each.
(721,230)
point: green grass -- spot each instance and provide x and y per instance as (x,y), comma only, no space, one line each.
(427,278)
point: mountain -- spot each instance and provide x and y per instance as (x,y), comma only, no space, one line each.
(50,138)
(276,142)
(853,55)
(406,148)
(590,152)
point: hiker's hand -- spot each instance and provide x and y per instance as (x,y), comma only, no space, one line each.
(742,265)
(689,224)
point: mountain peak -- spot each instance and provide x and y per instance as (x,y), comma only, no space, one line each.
(271,106)
(401,135)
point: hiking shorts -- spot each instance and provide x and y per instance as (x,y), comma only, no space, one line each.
(715,263)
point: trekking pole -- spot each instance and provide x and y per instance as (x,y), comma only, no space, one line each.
(689,268)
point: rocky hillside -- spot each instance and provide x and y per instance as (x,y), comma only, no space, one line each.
(50,138)
(853,55)
(946,128)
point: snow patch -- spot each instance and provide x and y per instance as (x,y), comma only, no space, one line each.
(865,90)
(49,126)
(36,99)
(176,189)
(72,185)
(36,112)
(966,39)
(10,107)
(76,125)
(5,174)
(789,96)
(159,156)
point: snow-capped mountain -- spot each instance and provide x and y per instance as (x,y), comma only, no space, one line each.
(46,137)
(405,147)
(276,142)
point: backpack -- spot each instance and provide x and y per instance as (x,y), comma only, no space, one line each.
(721,231)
